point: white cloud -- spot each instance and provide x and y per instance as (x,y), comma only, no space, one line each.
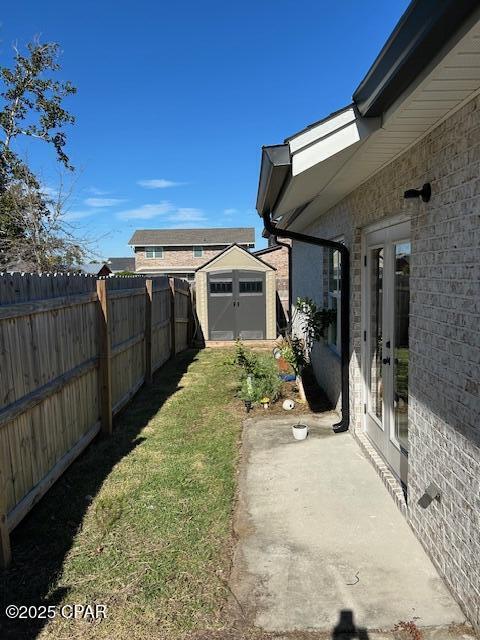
(103,202)
(79,215)
(187,214)
(159,183)
(147,211)
(229,212)
(96,192)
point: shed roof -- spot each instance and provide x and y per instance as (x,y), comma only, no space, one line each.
(235,247)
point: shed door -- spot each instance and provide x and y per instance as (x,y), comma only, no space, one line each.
(250,304)
(236,305)
(221,310)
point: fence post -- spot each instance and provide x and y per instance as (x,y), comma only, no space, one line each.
(148,330)
(173,349)
(105,370)
(5,550)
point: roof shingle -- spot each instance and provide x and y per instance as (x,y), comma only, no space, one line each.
(121,264)
(181,237)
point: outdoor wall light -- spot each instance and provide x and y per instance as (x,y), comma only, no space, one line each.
(425,193)
(432,492)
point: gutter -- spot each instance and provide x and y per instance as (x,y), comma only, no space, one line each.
(289,249)
(344,423)
(275,173)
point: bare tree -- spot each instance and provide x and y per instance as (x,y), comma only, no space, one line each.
(47,240)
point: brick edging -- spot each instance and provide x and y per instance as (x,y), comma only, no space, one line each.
(389,480)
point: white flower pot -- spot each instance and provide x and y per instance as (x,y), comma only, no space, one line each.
(300,431)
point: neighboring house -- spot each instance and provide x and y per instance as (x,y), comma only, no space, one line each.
(117,265)
(95,268)
(278,256)
(178,252)
(414,352)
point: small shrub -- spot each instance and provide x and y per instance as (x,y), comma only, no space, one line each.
(245,358)
(259,375)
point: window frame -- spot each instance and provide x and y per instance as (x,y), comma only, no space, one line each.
(195,248)
(334,294)
(157,251)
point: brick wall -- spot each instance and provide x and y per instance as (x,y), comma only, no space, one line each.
(444,403)
(180,258)
(278,258)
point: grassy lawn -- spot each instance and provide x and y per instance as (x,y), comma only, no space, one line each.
(142,521)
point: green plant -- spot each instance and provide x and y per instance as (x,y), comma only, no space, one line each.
(293,352)
(259,375)
(314,321)
(244,358)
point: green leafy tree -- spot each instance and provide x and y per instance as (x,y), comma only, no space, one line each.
(33,232)
(32,107)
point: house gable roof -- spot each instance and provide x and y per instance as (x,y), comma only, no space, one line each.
(191,237)
(93,268)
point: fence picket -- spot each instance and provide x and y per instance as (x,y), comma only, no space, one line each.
(73,351)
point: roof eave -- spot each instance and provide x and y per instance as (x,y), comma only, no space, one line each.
(413,44)
(275,168)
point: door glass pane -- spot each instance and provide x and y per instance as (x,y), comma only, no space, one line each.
(375,351)
(400,375)
(221,287)
(250,286)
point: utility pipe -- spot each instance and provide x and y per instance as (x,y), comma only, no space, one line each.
(289,248)
(344,423)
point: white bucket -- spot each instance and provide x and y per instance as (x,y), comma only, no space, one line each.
(300,431)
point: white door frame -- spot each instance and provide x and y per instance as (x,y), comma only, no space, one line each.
(400,232)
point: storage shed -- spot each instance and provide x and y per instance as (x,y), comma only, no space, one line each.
(235,297)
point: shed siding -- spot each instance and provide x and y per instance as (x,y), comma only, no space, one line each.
(236,258)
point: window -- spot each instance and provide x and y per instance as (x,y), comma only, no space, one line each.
(334,287)
(154,252)
(221,288)
(250,286)
(198,252)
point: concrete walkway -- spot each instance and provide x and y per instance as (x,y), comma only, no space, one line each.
(318,533)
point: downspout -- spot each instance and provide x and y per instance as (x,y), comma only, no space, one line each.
(344,423)
(289,248)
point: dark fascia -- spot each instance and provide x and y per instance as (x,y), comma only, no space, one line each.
(419,35)
(274,170)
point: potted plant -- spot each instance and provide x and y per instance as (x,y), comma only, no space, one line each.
(300,431)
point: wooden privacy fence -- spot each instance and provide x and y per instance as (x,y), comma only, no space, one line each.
(74,349)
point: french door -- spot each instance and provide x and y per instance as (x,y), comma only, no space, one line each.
(387,296)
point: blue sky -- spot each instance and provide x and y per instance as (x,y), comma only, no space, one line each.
(175,99)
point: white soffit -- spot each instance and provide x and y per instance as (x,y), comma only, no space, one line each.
(453,79)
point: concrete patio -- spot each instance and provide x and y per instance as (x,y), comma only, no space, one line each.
(318,533)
